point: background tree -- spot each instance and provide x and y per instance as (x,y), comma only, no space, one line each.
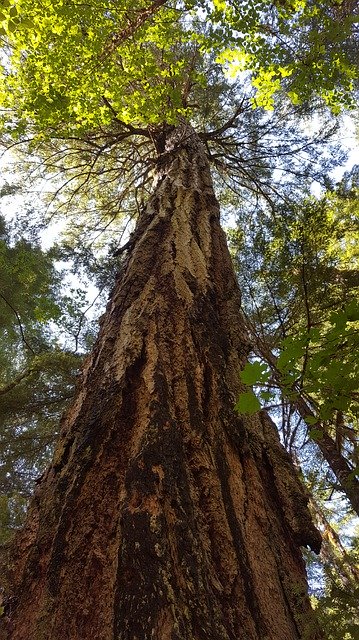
(301,298)
(39,324)
(298,269)
(335,577)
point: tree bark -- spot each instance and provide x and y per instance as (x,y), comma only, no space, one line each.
(164,515)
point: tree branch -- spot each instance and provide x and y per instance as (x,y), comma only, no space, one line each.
(11,385)
(132,27)
(19,323)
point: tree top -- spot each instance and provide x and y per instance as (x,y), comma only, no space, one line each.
(70,67)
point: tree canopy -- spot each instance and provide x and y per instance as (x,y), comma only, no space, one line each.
(71,68)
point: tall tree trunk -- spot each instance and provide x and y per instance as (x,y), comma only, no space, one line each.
(163,514)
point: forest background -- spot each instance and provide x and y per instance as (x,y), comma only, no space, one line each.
(273,133)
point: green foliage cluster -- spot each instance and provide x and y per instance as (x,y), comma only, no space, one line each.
(25,279)
(297,45)
(337,611)
(68,62)
(37,373)
(299,272)
(335,598)
(69,68)
(307,307)
(331,376)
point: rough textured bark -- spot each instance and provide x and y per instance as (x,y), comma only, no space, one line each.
(163,514)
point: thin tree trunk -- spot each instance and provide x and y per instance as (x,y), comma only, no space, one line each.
(338,464)
(163,514)
(336,461)
(333,553)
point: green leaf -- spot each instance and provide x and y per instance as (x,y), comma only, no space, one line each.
(292,349)
(353,474)
(12,26)
(339,319)
(220,5)
(341,402)
(334,372)
(266,395)
(254,373)
(315,434)
(352,311)
(247,403)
